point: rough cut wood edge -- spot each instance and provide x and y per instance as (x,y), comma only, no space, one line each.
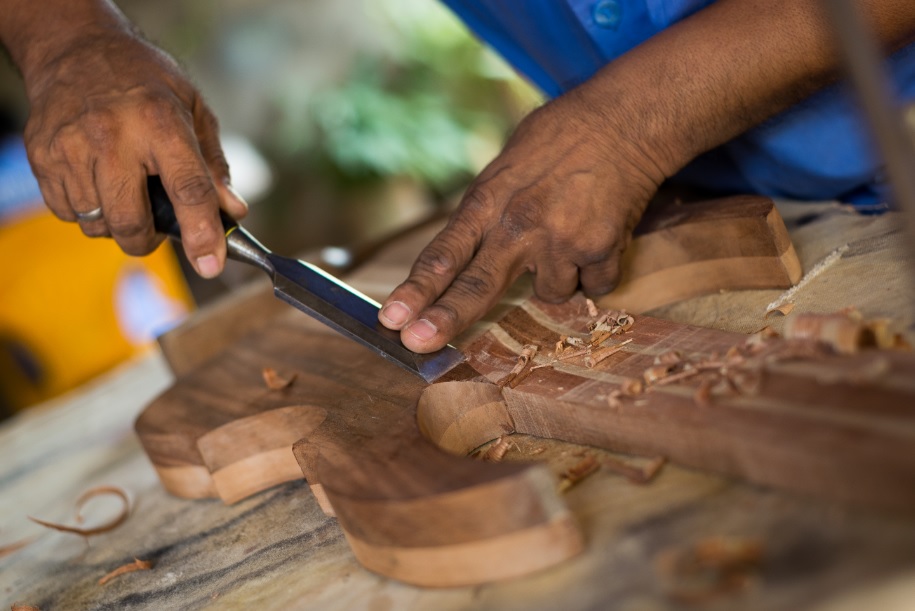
(478,562)
(696,249)
(253,474)
(189,482)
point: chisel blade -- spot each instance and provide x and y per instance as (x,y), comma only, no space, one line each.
(346,310)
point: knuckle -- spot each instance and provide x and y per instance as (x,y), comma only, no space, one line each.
(162,112)
(436,260)
(193,189)
(445,313)
(522,216)
(100,126)
(95,230)
(473,286)
(127,226)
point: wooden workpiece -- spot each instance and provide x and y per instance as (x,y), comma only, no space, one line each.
(277,549)
(422,515)
(682,250)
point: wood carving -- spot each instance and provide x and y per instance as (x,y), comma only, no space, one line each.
(681,251)
(384,453)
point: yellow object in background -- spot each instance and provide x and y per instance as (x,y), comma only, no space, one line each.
(72,307)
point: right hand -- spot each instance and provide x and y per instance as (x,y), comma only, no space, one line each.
(108,111)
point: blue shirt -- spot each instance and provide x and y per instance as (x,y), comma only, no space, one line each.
(819,149)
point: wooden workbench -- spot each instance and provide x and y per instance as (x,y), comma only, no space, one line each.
(277,550)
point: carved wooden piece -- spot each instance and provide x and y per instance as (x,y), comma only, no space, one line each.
(409,510)
(824,427)
(681,251)
(416,513)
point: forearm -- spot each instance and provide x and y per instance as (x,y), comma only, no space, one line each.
(725,69)
(37,33)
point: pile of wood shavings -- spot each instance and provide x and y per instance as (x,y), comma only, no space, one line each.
(590,348)
(740,370)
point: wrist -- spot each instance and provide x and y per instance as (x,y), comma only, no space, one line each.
(38,38)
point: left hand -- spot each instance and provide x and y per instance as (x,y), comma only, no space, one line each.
(560,201)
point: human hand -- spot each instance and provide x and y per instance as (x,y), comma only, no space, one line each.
(106,112)
(560,201)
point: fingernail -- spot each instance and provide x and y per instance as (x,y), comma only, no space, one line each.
(208,266)
(423,329)
(236,195)
(396,312)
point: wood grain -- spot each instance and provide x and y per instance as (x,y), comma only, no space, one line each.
(681,251)
(383,452)
(405,506)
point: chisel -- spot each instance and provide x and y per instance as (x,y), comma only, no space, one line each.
(315,292)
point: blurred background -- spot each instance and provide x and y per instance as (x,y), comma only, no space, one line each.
(344,122)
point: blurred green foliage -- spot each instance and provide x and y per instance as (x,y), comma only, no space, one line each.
(434,105)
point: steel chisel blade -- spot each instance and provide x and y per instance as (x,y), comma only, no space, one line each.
(343,308)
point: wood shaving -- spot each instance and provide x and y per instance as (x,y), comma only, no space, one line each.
(275,381)
(632,387)
(636,475)
(12,548)
(527,353)
(655,373)
(604,353)
(671,357)
(843,332)
(85,496)
(496,452)
(593,312)
(782,310)
(577,473)
(710,569)
(703,395)
(130,567)
(536,451)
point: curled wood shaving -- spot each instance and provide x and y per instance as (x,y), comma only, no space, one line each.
(577,473)
(711,568)
(604,353)
(593,312)
(85,496)
(275,381)
(130,567)
(12,548)
(636,475)
(671,357)
(782,310)
(632,387)
(655,373)
(496,452)
(843,332)
(527,353)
